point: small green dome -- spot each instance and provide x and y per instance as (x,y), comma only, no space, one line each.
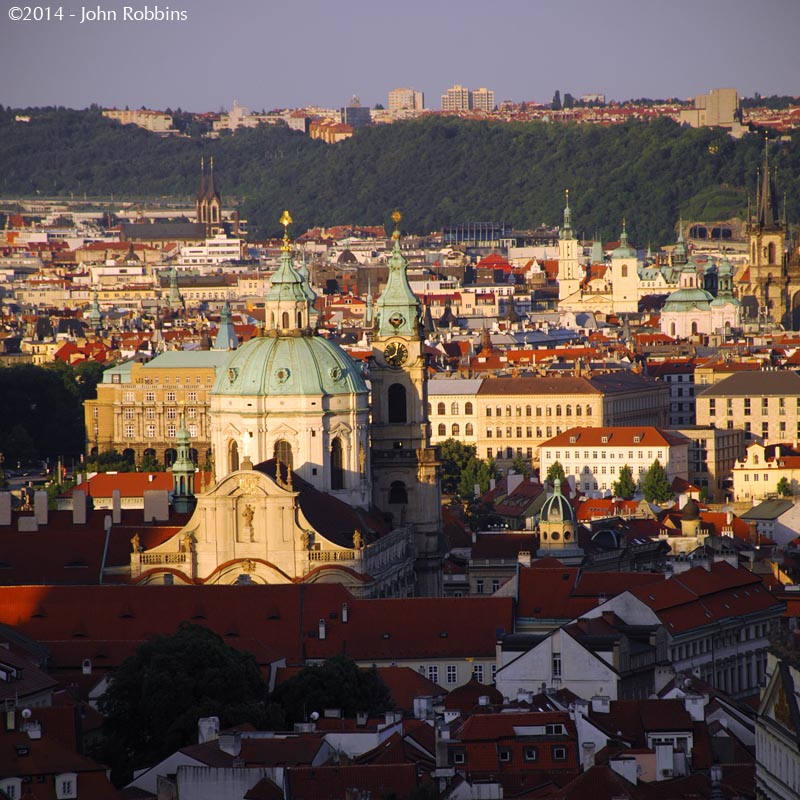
(557,508)
(289,365)
(687,299)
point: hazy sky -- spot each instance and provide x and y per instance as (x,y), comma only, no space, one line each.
(269,54)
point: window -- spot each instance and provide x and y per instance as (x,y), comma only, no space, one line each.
(479,586)
(477,671)
(172,413)
(397,403)
(530,753)
(442,429)
(149,397)
(459,757)
(452,673)
(171,430)
(150,413)
(765,429)
(128,397)
(504,754)
(433,673)
(454,409)
(489,452)
(559,754)
(440,409)
(150,431)
(747,406)
(468,429)
(765,405)
(729,406)
(337,465)
(128,413)
(130,431)
(191,413)
(169,397)
(191,397)
(556,665)
(455,429)
(508,411)
(712,407)
(495,584)
(528,411)
(488,412)
(397,493)
(519,432)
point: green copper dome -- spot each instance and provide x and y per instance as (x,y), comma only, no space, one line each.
(289,366)
(557,508)
(687,299)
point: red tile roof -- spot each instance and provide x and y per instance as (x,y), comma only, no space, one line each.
(336,782)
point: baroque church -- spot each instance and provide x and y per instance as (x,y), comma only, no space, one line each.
(322,467)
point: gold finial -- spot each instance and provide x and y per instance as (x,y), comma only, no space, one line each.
(286,221)
(566,192)
(396,217)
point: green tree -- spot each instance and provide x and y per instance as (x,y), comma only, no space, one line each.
(477,473)
(109,461)
(521,465)
(655,484)
(149,463)
(155,698)
(784,487)
(337,683)
(555,471)
(454,457)
(624,486)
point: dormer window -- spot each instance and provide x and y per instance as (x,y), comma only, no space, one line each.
(604,439)
(637,439)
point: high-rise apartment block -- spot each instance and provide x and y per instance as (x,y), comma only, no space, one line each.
(406,100)
(459,98)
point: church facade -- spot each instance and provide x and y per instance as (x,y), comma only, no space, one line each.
(322,469)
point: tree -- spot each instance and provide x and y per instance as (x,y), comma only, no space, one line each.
(454,457)
(569,100)
(624,486)
(655,484)
(555,471)
(477,473)
(157,695)
(784,487)
(337,683)
(521,465)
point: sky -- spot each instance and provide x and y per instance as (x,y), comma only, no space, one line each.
(267,54)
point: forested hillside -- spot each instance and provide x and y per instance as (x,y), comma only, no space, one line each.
(438,170)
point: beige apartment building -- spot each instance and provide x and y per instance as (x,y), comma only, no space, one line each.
(155,121)
(138,407)
(509,416)
(764,404)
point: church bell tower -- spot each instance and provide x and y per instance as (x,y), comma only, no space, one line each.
(405,468)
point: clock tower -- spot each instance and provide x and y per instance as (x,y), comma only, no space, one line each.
(405,468)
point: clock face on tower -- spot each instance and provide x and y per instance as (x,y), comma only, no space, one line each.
(395,353)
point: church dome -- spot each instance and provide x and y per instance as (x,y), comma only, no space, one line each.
(289,365)
(691,511)
(557,508)
(687,299)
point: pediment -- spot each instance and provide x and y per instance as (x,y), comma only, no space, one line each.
(247,483)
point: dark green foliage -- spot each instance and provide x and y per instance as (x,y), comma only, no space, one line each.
(42,413)
(158,694)
(655,485)
(477,472)
(111,461)
(454,457)
(784,488)
(521,465)
(337,683)
(437,170)
(555,471)
(625,485)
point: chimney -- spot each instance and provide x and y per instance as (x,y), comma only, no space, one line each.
(116,507)
(588,755)
(78,507)
(601,704)
(608,616)
(207,729)
(345,613)
(40,507)
(483,700)
(322,631)
(230,742)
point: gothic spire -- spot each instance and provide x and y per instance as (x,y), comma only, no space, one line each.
(286,303)
(566,230)
(767,206)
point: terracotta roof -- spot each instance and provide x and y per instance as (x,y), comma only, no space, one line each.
(615,437)
(564,385)
(335,782)
(466,697)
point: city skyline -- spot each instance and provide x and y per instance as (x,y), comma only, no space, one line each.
(315,53)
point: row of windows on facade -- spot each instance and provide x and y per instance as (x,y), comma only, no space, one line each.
(765,406)
(150,413)
(451,672)
(176,379)
(748,429)
(519,411)
(150,431)
(604,455)
(150,397)
(701,646)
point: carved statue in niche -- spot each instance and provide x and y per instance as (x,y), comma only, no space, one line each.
(135,546)
(247,515)
(358,540)
(187,543)
(305,540)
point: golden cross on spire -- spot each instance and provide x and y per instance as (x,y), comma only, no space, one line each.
(396,217)
(286,221)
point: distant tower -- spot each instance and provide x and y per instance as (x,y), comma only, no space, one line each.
(569,266)
(183,499)
(175,300)
(226,336)
(624,277)
(208,206)
(767,234)
(557,528)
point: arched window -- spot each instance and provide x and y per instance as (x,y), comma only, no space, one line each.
(538,411)
(337,465)
(233,456)
(578,411)
(771,253)
(508,411)
(193,455)
(440,409)
(488,411)
(558,410)
(672,329)
(397,403)
(170,457)
(468,408)
(588,411)
(442,429)
(623,273)
(283,452)
(285,319)
(299,319)
(468,429)
(498,412)
(430,410)
(129,455)
(528,411)
(398,493)
(454,409)
(569,411)
(519,411)
(694,328)
(455,430)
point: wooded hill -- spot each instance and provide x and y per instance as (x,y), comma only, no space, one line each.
(437,170)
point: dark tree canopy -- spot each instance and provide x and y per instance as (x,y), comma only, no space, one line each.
(655,484)
(337,683)
(625,485)
(158,694)
(555,471)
